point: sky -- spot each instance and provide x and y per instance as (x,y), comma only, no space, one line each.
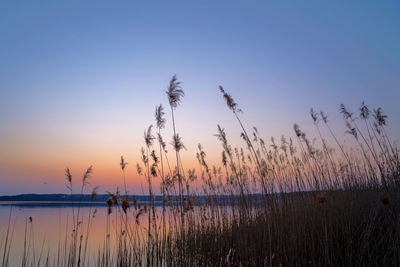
(79,80)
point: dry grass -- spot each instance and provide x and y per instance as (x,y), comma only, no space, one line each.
(295,202)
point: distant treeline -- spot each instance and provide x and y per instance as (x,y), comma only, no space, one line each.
(67,198)
(86,199)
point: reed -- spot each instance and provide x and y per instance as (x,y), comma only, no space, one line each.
(265,204)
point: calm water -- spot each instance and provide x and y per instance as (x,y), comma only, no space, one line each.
(50,226)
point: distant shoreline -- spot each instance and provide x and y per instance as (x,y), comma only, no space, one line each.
(63,200)
(85,200)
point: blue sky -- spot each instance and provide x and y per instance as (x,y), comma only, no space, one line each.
(79,80)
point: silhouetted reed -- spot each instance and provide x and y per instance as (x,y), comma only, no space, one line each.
(290,201)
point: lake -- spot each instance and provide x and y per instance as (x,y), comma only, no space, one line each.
(51,226)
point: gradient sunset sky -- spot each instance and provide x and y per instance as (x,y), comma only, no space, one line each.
(79,80)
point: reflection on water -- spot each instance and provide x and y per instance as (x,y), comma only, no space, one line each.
(51,225)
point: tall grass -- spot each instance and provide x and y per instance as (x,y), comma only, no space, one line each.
(293,202)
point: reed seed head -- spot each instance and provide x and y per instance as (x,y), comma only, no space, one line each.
(314,115)
(148,137)
(68,175)
(174,92)
(364,111)
(154,157)
(138,169)
(351,130)
(345,112)
(94,193)
(323,116)
(123,163)
(380,118)
(159,114)
(153,170)
(177,143)
(125,204)
(87,174)
(232,105)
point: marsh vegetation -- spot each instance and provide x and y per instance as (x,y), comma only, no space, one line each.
(292,202)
